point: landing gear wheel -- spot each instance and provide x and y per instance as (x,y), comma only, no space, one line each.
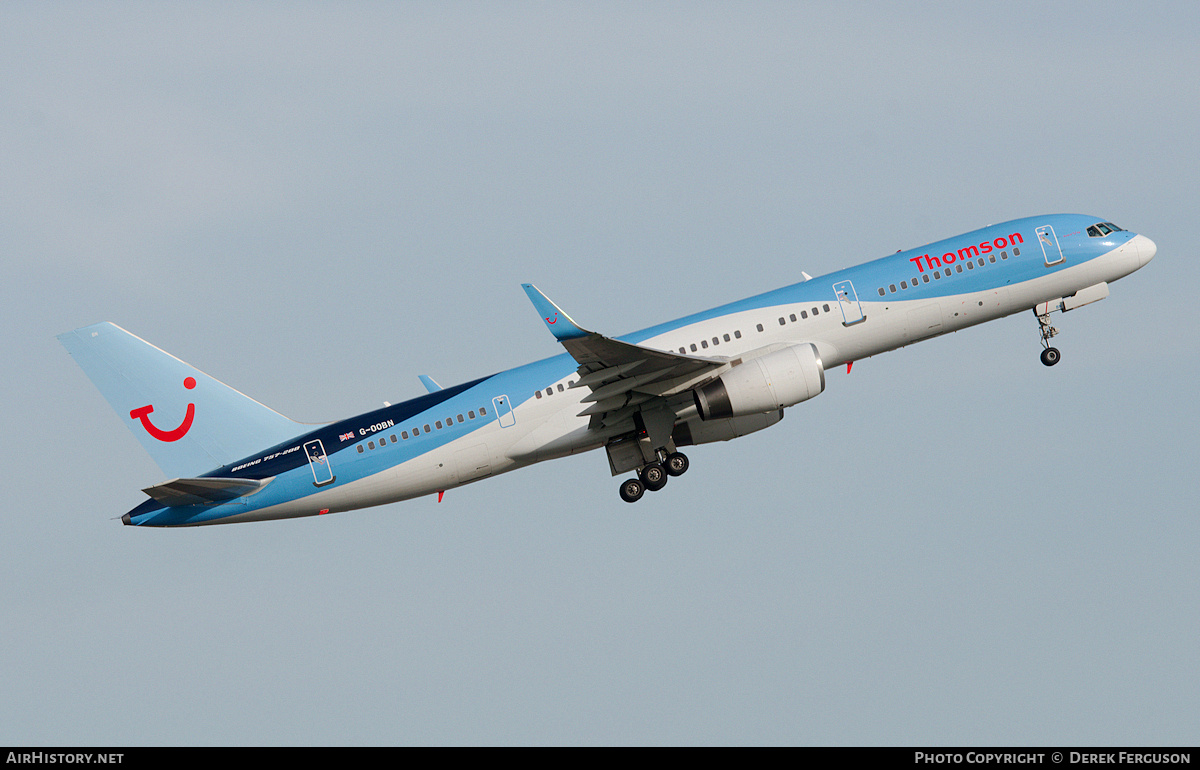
(654,476)
(1051,356)
(632,490)
(677,463)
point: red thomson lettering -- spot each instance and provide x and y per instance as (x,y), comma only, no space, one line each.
(930,262)
(965,253)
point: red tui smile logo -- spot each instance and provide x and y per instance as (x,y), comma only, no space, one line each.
(143,413)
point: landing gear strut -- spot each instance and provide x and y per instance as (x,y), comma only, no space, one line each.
(653,476)
(1050,356)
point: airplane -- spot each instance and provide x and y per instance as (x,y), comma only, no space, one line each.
(712,376)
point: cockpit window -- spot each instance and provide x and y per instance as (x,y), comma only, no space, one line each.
(1102,228)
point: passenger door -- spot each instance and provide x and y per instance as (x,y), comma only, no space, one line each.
(504,411)
(1050,248)
(848,301)
(319,462)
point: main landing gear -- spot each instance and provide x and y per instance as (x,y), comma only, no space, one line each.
(1050,356)
(653,476)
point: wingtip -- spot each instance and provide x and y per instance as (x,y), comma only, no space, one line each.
(559,323)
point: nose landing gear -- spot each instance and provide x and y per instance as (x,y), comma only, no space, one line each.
(1050,355)
(653,476)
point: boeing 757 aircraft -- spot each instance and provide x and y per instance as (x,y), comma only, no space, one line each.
(712,376)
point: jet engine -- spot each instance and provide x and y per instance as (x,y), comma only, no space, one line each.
(763,384)
(700,432)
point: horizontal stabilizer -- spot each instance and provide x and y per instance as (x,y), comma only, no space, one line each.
(177,492)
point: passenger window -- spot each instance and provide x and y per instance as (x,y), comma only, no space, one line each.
(814,311)
(704,344)
(370,445)
(360,448)
(937,275)
(992,258)
(793,317)
(460,418)
(537,393)
(404,434)
(716,341)
(471,414)
(560,387)
(416,431)
(759,327)
(881,291)
(393,437)
(683,350)
(970,265)
(1016,252)
(738,334)
(549,391)
(427,429)
(925,278)
(904,284)
(823,307)
(1004,255)
(727,338)
(482,411)
(438,425)
(892,288)
(782,321)
(804,313)
(959,268)
(693,347)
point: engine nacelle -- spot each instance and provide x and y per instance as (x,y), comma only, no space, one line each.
(699,432)
(764,384)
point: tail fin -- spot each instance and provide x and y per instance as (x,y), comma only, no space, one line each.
(188,422)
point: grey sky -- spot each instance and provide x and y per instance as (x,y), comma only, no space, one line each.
(317,202)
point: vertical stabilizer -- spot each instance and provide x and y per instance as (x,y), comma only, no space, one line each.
(189,422)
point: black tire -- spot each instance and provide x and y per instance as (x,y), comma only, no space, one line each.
(1051,356)
(654,476)
(632,490)
(677,464)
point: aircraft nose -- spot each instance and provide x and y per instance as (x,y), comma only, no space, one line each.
(1146,249)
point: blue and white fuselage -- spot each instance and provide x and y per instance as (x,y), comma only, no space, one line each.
(710,376)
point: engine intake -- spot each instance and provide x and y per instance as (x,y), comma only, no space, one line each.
(764,384)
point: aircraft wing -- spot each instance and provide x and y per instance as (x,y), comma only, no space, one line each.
(623,377)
